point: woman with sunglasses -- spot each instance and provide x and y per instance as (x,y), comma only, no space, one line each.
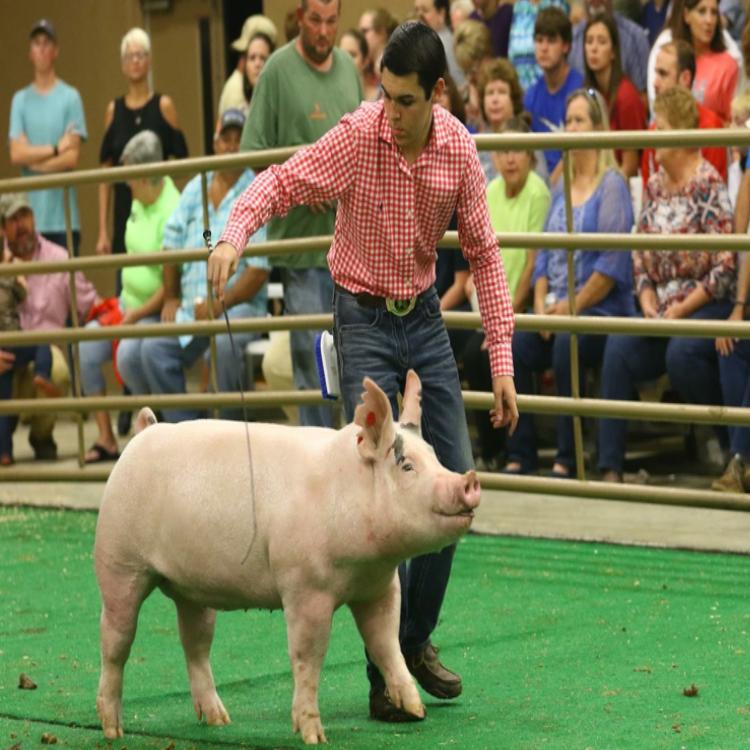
(140,109)
(603,72)
(685,196)
(603,280)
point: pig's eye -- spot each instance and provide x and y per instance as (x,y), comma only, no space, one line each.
(407,466)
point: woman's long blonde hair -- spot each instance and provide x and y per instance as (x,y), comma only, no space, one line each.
(597,109)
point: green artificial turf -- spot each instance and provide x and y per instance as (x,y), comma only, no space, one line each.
(560,645)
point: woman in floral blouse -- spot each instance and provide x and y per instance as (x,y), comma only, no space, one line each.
(685,196)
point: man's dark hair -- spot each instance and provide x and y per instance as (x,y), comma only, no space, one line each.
(552,23)
(684,55)
(415,48)
(445,6)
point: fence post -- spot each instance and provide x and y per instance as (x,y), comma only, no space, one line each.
(575,390)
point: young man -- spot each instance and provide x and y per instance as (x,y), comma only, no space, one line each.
(675,66)
(47,126)
(399,168)
(545,100)
(305,89)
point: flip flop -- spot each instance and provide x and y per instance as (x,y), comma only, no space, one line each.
(102,454)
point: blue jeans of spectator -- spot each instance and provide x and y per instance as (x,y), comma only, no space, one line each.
(93,355)
(532,354)
(307,291)
(734,372)
(41,356)
(374,343)
(691,364)
(157,365)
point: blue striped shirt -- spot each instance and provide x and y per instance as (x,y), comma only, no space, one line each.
(184,231)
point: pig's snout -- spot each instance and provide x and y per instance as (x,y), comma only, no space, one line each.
(470,490)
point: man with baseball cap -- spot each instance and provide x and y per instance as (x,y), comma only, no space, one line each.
(47,126)
(157,365)
(47,305)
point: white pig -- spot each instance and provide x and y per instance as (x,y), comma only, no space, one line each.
(324,519)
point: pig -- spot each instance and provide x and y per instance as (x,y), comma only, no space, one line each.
(319,518)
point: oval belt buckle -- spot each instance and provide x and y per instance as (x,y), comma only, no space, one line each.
(400,307)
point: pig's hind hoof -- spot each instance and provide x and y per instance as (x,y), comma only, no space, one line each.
(213,711)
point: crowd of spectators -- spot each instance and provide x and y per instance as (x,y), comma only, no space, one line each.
(513,67)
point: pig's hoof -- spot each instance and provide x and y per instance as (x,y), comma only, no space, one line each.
(214,711)
(310,729)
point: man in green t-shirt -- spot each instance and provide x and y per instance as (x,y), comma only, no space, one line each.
(304,90)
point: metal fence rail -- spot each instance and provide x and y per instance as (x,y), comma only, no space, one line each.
(574,324)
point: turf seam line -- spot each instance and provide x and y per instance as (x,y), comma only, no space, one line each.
(130,733)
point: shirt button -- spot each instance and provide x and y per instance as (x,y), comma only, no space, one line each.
(409,212)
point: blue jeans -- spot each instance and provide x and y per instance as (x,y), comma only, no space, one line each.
(307,291)
(628,360)
(41,356)
(532,354)
(734,372)
(157,365)
(93,355)
(384,347)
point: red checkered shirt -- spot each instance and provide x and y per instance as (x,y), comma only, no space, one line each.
(391,214)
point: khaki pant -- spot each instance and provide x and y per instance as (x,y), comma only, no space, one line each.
(42,425)
(277,369)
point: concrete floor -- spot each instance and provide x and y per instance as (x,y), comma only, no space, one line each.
(504,513)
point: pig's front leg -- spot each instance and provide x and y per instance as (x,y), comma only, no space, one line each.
(308,623)
(378,621)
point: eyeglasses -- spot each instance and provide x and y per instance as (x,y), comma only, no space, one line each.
(135,56)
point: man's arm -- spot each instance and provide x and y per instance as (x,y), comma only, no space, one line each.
(320,172)
(171,275)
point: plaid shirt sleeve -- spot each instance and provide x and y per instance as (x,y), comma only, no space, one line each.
(321,172)
(480,247)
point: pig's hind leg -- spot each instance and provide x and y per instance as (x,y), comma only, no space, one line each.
(196,633)
(123,592)
(377,621)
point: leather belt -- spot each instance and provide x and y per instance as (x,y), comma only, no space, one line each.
(398,307)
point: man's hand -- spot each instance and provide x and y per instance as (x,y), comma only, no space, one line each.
(169,309)
(222,263)
(506,408)
(6,360)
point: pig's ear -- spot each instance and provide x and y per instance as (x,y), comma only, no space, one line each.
(375,418)
(411,405)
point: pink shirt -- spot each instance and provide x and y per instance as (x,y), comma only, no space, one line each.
(47,303)
(716,76)
(391,214)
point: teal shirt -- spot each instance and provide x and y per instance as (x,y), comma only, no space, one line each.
(144,233)
(294,104)
(44,119)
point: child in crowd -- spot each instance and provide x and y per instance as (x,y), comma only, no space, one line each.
(12,294)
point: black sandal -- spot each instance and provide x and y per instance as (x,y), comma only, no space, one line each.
(102,454)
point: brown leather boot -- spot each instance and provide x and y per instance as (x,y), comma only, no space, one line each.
(433,677)
(733,478)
